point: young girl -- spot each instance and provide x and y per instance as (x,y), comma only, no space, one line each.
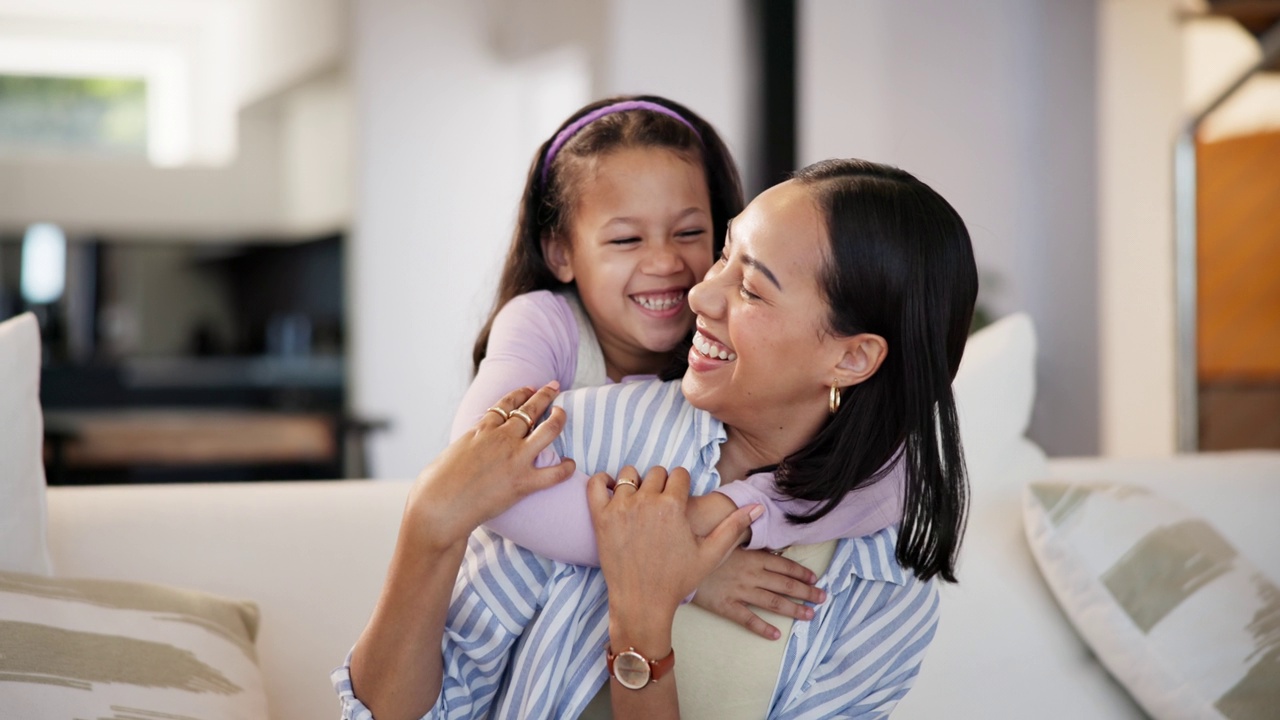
(625,208)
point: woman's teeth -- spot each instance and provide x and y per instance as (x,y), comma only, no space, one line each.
(712,349)
(664,301)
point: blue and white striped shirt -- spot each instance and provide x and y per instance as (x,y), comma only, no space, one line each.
(526,636)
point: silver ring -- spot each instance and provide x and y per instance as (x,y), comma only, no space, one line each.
(518,413)
(620,483)
(500,411)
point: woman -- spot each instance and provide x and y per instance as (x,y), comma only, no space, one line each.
(851,275)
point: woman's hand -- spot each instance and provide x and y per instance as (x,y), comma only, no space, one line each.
(651,560)
(485,471)
(649,554)
(396,668)
(761,579)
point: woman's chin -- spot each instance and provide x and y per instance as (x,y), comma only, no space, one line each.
(697,392)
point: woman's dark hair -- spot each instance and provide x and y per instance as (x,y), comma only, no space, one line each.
(900,266)
(546,207)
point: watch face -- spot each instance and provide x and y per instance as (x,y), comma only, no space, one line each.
(631,669)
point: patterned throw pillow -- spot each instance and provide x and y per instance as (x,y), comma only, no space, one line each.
(114,650)
(1185,623)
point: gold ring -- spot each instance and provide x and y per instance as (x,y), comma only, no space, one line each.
(500,411)
(518,413)
(620,483)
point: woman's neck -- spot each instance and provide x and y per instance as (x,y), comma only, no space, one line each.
(746,449)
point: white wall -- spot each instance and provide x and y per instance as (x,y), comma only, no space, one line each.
(695,53)
(993,104)
(445,131)
(1140,90)
(450,109)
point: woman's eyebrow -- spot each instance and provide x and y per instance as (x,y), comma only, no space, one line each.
(748,260)
(754,263)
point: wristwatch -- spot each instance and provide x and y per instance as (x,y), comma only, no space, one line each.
(634,670)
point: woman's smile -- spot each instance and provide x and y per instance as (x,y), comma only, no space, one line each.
(711,347)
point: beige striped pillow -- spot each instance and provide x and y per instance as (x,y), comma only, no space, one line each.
(1186,624)
(103,649)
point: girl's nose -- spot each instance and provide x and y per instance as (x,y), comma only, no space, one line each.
(662,258)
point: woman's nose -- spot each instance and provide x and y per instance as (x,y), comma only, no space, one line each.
(705,298)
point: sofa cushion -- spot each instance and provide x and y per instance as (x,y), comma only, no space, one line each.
(994,390)
(22,503)
(96,648)
(1172,609)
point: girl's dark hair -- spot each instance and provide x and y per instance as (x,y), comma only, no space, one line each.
(546,208)
(900,266)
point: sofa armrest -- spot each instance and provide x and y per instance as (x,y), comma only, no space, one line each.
(313,555)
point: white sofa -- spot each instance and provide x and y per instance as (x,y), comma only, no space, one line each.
(312,556)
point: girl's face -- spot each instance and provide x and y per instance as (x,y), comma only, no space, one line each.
(640,238)
(762,352)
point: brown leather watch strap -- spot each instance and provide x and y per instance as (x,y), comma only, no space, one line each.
(657,668)
(663,666)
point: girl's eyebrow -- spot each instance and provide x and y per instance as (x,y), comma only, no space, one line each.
(748,260)
(627,220)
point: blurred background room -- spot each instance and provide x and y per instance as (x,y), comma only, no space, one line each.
(261,235)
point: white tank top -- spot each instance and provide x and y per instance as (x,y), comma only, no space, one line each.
(590,370)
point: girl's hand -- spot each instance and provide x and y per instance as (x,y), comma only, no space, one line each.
(649,554)
(761,579)
(485,471)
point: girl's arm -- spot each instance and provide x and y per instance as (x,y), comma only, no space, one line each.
(555,522)
(534,340)
(864,511)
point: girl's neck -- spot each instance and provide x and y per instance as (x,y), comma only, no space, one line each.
(619,364)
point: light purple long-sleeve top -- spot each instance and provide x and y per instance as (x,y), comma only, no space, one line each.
(543,336)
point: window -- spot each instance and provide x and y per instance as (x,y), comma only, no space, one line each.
(64,114)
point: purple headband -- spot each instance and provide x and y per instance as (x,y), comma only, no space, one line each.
(563,136)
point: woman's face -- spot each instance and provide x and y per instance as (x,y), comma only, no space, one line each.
(761,351)
(641,237)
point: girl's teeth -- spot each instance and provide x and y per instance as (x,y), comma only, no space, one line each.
(663,302)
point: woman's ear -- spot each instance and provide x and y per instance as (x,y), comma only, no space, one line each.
(864,353)
(559,256)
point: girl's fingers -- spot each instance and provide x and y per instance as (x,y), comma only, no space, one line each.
(780,604)
(788,567)
(742,615)
(792,588)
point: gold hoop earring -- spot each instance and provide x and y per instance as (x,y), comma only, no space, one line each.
(833,400)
